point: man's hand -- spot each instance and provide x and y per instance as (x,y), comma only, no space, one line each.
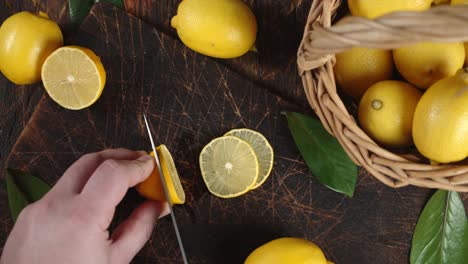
(69,225)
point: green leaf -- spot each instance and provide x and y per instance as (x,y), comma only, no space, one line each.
(441,234)
(23,189)
(323,153)
(79,9)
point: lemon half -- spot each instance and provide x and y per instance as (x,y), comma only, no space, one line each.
(74,77)
(152,187)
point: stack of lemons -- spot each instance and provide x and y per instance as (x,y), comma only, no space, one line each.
(427,106)
(236,163)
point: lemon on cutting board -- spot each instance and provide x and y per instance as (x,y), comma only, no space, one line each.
(386,112)
(262,149)
(359,68)
(425,63)
(287,250)
(152,187)
(25,42)
(217,28)
(229,166)
(375,8)
(440,125)
(74,77)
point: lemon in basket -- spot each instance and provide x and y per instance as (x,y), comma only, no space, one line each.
(262,149)
(425,63)
(386,112)
(359,68)
(74,77)
(375,8)
(459,2)
(229,166)
(466,53)
(440,126)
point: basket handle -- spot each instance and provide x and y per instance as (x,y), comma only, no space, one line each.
(321,42)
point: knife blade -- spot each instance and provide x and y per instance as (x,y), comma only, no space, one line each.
(166,193)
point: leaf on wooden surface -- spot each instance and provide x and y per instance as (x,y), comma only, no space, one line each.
(23,189)
(441,234)
(323,153)
(79,9)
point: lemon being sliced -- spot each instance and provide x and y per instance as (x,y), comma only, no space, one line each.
(74,77)
(229,166)
(262,149)
(152,187)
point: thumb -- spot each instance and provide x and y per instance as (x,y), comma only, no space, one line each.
(132,234)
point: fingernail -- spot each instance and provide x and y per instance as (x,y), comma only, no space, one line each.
(165,210)
(145,158)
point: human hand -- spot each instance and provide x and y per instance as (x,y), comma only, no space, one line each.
(69,224)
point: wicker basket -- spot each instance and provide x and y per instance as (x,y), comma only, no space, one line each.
(316,59)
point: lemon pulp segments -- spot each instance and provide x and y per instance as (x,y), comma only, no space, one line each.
(262,149)
(229,166)
(176,192)
(74,77)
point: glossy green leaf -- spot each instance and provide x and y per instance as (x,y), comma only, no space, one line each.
(323,153)
(441,234)
(23,189)
(79,9)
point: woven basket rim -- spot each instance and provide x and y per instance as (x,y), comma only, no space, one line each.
(315,58)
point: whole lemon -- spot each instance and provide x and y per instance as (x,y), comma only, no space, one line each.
(375,8)
(462,2)
(26,40)
(217,28)
(466,53)
(386,112)
(459,2)
(287,250)
(440,125)
(359,68)
(423,64)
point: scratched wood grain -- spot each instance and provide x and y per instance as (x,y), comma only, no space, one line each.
(280,23)
(17,103)
(190,99)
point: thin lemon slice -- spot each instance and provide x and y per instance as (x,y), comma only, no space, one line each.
(262,149)
(229,166)
(152,187)
(74,77)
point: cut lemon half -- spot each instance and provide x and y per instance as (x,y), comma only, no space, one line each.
(262,149)
(152,187)
(229,166)
(74,77)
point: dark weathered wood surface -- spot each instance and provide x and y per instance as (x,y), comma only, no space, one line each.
(273,67)
(190,99)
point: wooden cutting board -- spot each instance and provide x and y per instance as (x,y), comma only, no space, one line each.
(190,99)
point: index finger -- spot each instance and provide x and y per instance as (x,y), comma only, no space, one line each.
(109,183)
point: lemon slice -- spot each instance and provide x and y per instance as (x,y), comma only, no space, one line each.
(74,77)
(229,166)
(152,187)
(262,149)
